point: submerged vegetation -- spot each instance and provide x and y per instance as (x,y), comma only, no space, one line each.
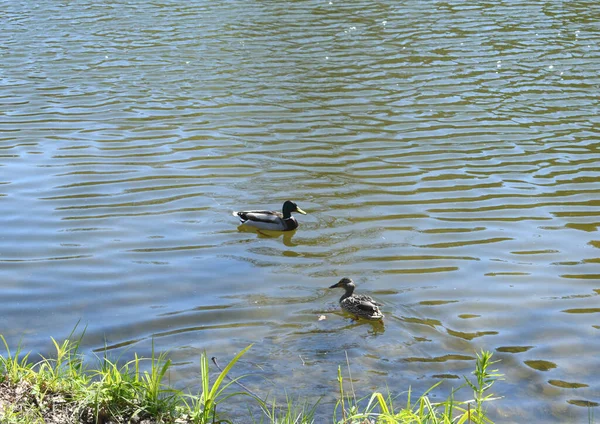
(63,390)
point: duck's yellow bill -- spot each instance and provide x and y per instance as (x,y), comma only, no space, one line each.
(300,211)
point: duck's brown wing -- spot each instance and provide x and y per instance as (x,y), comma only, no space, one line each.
(368,307)
(369,299)
(364,305)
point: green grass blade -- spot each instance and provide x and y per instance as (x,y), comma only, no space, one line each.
(225,371)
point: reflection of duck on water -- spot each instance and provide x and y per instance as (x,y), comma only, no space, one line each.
(358,304)
(286,235)
(375,326)
(272,220)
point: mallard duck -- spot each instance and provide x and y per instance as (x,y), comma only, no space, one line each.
(272,220)
(358,304)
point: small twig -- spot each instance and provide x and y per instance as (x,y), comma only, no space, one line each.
(250,392)
(300,356)
(469,412)
(350,376)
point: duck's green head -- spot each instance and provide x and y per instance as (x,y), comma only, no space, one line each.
(344,283)
(289,207)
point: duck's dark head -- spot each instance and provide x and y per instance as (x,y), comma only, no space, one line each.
(344,283)
(289,207)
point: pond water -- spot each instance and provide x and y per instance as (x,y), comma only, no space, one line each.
(446,153)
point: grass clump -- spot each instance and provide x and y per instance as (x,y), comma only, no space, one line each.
(299,412)
(202,408)
(62,390)
(124,392)
(382,409)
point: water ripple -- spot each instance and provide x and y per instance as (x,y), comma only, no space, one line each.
(432,147)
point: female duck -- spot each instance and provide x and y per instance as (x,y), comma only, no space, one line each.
(358,304)
(272,220)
